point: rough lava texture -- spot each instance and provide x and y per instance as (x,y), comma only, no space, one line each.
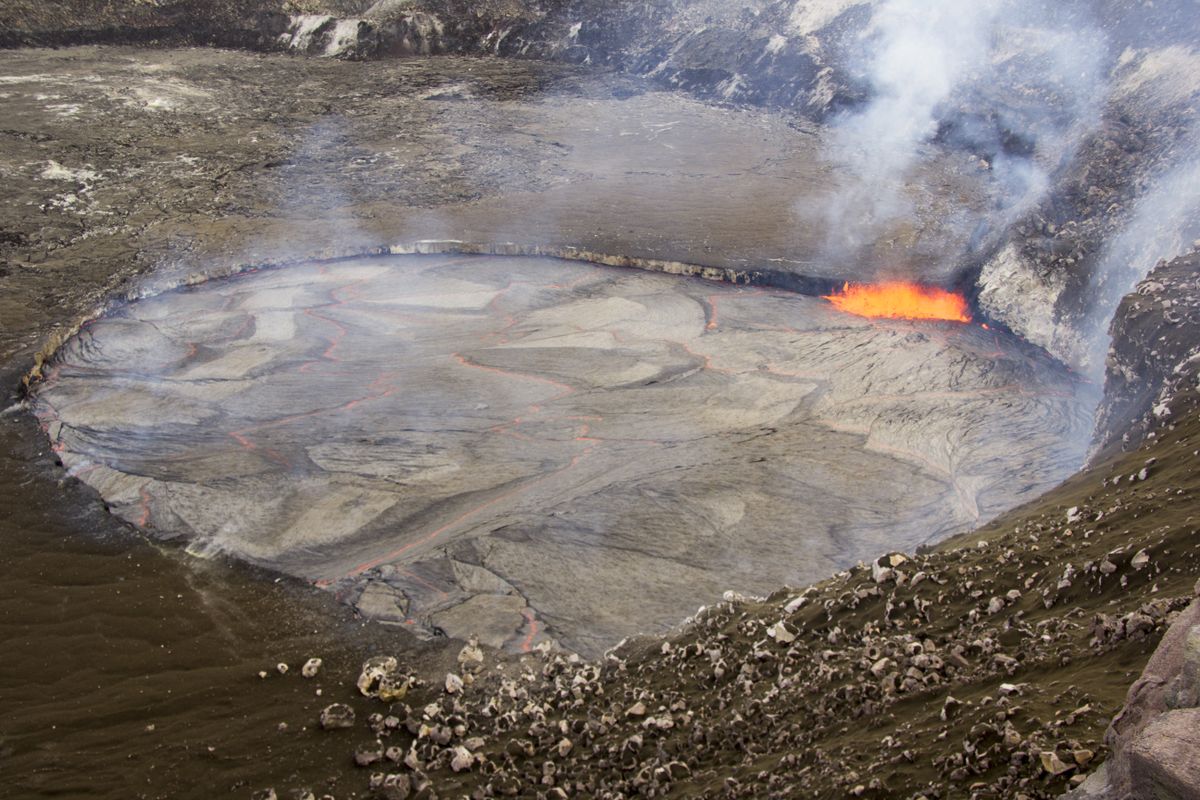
(1118,206)
(179,164)
(531,448)
(993,675)
(1155,354)
(989,667)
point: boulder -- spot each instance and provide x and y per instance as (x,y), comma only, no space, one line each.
(337,716)
(1164,757)
(1160,688)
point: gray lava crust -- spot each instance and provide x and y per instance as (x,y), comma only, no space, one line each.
(595,451)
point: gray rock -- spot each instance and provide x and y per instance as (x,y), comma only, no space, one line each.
(368,754)
(1094,788)
(396,786)
(461,759)
(337,716)
(1148,698)
(1164,757)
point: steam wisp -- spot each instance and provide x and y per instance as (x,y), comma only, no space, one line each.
(939,71)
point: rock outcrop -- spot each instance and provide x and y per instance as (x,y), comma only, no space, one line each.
(1122,200)
(1154,358)
(1155,738)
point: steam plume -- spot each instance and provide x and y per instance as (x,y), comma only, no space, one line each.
(925,62)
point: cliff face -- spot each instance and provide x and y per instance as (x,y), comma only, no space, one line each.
(1155,355)
(1121,203)
(1043,263)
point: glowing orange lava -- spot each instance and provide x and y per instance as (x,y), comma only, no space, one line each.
(900,300)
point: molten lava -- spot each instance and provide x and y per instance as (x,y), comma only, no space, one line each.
(900,300)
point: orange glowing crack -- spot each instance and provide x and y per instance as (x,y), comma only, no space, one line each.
(532,623)
(144,519)
(900,300)
(715,299)
(583,434)
(811,376)
(509,320)
(584,428)
(418,579)
(573,284)
(705,357)
(340,330)
(378,393)
(566,390)
(712,303)
(82,469)
(242,437)
(471,513)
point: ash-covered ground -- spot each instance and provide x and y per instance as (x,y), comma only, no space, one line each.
(532,449)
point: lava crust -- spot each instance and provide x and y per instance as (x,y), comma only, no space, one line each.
(530,448)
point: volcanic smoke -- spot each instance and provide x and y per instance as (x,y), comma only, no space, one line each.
(900,300)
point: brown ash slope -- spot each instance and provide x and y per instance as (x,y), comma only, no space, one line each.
(1144,514)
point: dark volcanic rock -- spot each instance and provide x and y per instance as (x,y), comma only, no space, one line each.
(1155,354)
(337,717)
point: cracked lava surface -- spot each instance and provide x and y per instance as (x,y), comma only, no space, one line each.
(527,448)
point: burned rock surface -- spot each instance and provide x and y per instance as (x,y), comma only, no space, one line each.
(119,162)
(1092,101)
(527,448)
(1154,357)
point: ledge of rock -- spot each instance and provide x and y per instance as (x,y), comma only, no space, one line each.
(1154,356)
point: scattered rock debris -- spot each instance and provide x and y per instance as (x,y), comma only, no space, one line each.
(989,667)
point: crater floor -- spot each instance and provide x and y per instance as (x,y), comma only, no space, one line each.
(522,448)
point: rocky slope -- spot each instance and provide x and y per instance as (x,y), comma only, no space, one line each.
(996,674)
